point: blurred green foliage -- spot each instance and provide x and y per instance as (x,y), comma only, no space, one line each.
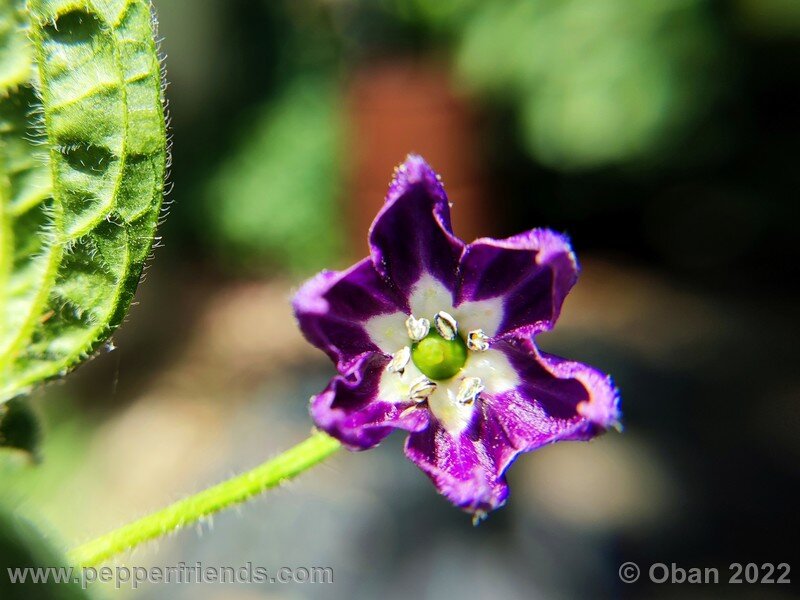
(771,18)
(37,510)
(37,491)
(19,427)
(273,202)
(22,546)
(598,104)
(594,83)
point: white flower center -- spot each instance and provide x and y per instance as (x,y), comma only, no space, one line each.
(485,372)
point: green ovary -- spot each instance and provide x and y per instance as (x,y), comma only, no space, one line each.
(437,357)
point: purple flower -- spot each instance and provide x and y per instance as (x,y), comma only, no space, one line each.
(435,336)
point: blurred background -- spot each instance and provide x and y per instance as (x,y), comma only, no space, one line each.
(662,136)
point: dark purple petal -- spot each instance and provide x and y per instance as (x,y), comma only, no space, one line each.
(412,234)
(462,466)
(532,272)
(557,399)
(600,410)
(350,410)
(332,307)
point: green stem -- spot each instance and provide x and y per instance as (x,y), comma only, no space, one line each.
(283,467)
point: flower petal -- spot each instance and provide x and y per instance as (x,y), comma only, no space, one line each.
(333,309)
(460,465)
(600,409)
(351,410)
(557,399)
(412,235)
(531,273)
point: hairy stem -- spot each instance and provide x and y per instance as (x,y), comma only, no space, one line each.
(270,474)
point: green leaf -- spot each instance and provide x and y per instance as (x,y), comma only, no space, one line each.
(82,161)
(19,427)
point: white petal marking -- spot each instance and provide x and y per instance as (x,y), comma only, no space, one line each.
(454,416)
(395,387)
(388,331)
(493,369)
(429,296)
(484,314)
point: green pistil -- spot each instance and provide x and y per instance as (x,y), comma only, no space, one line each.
(437,357)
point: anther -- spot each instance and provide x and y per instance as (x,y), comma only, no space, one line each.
(477,341)
(399,360)
(446,325)
(469,389)
(421,389)
(417,328)
(409,410)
